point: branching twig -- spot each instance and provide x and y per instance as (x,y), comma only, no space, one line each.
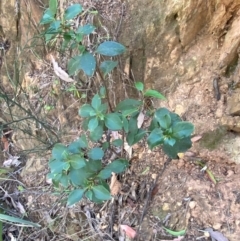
(168,161)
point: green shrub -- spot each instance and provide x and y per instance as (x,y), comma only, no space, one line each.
(78,167)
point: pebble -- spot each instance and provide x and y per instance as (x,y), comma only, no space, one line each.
(192,204)
(166,207)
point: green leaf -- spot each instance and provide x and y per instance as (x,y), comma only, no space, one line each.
(110,48)
(76,146)
(96,102)
(59,152)
(94,165)
(96,134)
(128,104)
(86,29)
(75,196)
(130,138)
(73,65)
(53,4)
(64,180)
(105,174)
(102,92)
(7,218)
(101,192)
(103,108)
(76,161)
(141,133)
(107,66)
(118,165)
(92,124)
(87,63)
(169,141)
(117,142)
(105,145)
(154,124)
(113,122)
(132,124)
(155,138)
(130,112)
(175,233)
(57,166)
(182,129)
(125,124)
(90,195)
(139,86)
(155,94)
(179,146)
(72,11)
(54,28)
(87,111)
(175,118)
(164,121)
(96,153)
(78,177)
(47,17)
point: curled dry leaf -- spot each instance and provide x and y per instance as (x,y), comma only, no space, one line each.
(115,185)
(140,119)
(196,138)
(130,233)
(60,72)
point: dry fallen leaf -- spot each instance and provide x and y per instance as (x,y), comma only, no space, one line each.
(21,208)
(196,138)
(130,233)
(140,120)
(12,161)
(60,72)
(115,185)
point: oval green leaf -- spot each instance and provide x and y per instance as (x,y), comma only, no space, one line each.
(72,11)
(96,102)
(107,66)
(96,153)
(139,86)
(86,111)
(75,196)
(59,152)
(113,122)
(155,138)
(86,29)
(53,6)
(110,48)
(87,63)
(182,129)
(118,165)
(96,134)
(76,161)
(101,192)
(92,124)
(47,17)
(155,94)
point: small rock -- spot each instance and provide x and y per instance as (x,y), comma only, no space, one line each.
(217,226)
(230,173)
(179,109)
(154,176)
(166,207)
(219,113)
(233,104)
(192,204)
